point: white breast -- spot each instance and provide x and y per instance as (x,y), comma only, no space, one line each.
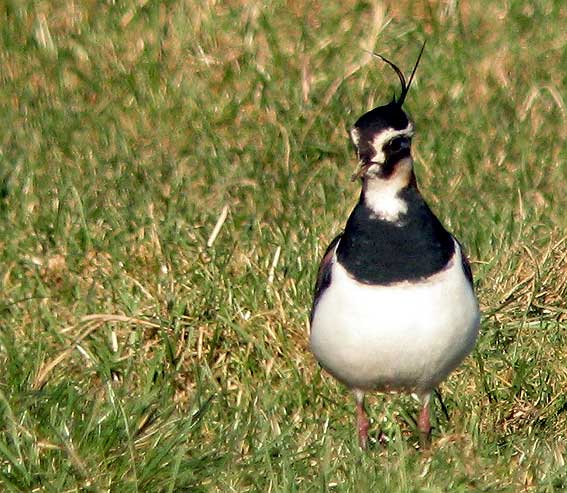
(398,337)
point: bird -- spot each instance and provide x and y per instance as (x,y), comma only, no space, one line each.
(394,307)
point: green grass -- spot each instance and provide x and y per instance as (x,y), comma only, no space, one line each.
(136,358)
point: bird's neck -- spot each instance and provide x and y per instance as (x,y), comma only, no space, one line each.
(382,194)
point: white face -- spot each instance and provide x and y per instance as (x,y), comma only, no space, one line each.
(355,136)
(386,136)
(375,145)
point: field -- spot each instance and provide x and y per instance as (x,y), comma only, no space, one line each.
(142,350)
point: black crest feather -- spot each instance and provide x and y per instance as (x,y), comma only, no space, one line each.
(405,85)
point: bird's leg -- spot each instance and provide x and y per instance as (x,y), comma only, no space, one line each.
(423,423)
(361,420)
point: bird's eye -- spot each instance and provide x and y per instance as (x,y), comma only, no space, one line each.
(398,144)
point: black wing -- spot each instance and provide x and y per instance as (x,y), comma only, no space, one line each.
(324,273)
(466,264)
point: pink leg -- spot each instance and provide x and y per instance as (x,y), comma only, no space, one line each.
(423,423)
(361,420)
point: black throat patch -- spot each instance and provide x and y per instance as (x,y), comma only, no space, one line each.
(376,251)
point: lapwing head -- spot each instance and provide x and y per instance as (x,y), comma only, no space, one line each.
(382,136)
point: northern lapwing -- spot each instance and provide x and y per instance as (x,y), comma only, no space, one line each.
(394,306)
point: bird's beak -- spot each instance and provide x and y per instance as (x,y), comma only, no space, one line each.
(361,171)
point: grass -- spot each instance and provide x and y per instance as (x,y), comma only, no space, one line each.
(136,358)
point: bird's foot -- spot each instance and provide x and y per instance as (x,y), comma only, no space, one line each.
(362,422)
(424,427)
